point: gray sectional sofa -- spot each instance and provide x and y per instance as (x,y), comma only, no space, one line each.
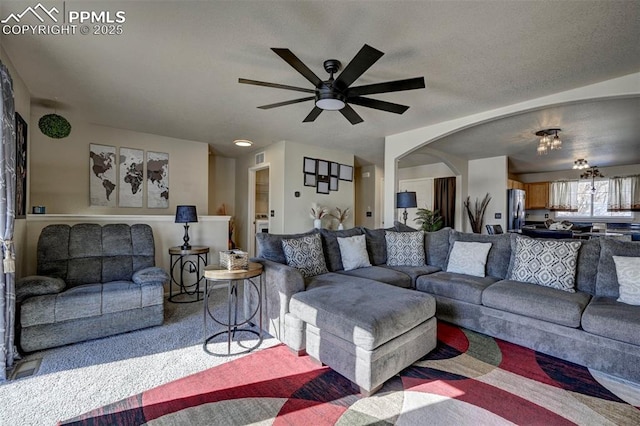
(93,281)
(588,326)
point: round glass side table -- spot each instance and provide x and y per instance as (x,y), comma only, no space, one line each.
(215,278)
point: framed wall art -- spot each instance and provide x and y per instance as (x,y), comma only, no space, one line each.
(323,187)
(346,172)
(334,169)
(309,165)
(131,177)
(333,183)
(309,179)
(102,175)
(21,166)
(323,168)
(157,180)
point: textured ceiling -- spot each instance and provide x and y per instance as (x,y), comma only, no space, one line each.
(175,68)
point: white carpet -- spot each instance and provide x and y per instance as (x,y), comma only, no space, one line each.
(77,378)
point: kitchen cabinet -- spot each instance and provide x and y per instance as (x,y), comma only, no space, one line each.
(537,195)
(514,184)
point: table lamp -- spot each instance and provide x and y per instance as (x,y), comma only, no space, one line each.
(186,215)
(406,200)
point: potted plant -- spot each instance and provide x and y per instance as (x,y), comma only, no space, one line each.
(317,213)
(476,215)
(428,220)
(341,216)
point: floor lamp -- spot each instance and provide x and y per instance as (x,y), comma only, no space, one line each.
(406,200)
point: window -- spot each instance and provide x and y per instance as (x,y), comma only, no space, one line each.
(592,205)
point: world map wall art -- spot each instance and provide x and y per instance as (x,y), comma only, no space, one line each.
(121,177)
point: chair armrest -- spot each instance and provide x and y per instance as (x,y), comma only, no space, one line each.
(150,275)
(287,280)
(38,285)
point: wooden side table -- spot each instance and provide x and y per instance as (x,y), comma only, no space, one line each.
(194,260)
(215,276)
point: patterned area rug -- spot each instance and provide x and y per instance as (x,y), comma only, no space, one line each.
(469,379)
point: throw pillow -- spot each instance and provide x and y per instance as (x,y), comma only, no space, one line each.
(405,248)
(305,254)
(546,262)
(353,251)
(628,272)
(468,258)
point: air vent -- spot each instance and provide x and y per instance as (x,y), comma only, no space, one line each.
(260,158)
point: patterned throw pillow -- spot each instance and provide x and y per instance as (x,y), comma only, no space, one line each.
(468,258)
(405,248)
(545,262)
(628,272)
(305,254)
(353,251)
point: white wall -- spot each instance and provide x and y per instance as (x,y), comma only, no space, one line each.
(489,175)
(368,182)
(438,170)
(222,184)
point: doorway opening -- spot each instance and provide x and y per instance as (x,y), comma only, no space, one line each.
(259,189)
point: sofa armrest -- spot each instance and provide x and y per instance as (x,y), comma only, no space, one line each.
(38,285)
(150,275)
(286,279)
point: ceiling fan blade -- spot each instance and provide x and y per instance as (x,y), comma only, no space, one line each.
(299,66)
(275,85)
(378,104)
(279,104)
(363,60)
(315,112)
(350,114)
(389,86)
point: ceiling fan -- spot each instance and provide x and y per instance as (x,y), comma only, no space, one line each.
(336,94)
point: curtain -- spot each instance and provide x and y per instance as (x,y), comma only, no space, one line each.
(444,199)
(624,194)
(7,214)
(563,196)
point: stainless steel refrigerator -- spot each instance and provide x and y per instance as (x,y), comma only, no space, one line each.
(515,209)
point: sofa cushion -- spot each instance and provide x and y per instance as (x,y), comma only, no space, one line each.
(331,247)
(551,263)
(381,274)
(606,317)
(607,279)
(376,245)
(436,247)
(270,245)
(535,301)
(499,255)
(628,273)
(363,312)
(353,251)
(468,258)
(305,254)
(405,248)
(455,286)
(414,271)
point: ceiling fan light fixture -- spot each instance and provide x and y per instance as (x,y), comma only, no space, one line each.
(242,142)
(329,100)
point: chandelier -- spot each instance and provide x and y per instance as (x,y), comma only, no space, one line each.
(580,164)
(547,142)
(592,173)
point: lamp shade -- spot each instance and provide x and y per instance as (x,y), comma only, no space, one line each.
(186,214)
(406,200)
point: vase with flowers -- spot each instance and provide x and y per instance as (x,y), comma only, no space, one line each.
(341,216)
(317,213)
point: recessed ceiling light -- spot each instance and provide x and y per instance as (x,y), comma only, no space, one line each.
(242,142)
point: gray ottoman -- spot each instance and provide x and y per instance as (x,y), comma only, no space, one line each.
(365,330)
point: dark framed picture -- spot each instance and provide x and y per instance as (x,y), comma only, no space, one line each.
(21,166)
(323,168)
(335,170)
(322,187)
(309,165)
(333,183)
(309,179)
(346,172)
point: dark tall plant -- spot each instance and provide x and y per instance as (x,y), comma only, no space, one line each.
(428,220)
(476,215)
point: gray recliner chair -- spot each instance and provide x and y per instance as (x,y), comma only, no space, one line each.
(93,281)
